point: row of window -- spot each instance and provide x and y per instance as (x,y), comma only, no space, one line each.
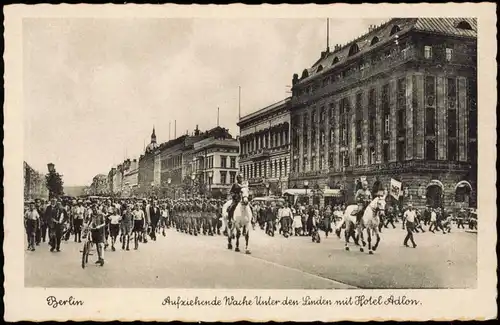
(223,177)
(430,121)
(429,53)
(277,168)
(268,140)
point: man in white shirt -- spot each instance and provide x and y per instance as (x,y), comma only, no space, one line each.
(31,221)
(410,218)
(433,227)
(285,215)
(78,213)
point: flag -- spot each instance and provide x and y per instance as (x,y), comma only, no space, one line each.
(395,189)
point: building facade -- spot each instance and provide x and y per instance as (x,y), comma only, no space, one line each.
(215,162)
(265,148)
(147,177)
(168,169)
(100,185)
(130,177)
(398,102)
(34,183)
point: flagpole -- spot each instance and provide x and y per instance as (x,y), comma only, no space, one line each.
(239,102)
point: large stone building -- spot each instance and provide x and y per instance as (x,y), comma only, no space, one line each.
(397,102)
(215,162)
(166,169)
(265,148)
(34,183)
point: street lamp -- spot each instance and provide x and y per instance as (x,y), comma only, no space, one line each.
(306,186)
(193,176)
(267,189)
(210,175)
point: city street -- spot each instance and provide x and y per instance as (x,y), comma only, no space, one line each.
(183,261)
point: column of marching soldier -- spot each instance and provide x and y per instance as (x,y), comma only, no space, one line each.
(124,220)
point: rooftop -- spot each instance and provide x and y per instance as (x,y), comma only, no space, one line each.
(389,31)
(263,111)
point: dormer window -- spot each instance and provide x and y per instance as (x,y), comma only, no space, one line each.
(395,29)
(464,25)
(374,40)
(354,49)
(335,60)
(319,68)
(305,74)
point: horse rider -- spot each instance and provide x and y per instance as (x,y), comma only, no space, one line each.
(235,195)
(363,197)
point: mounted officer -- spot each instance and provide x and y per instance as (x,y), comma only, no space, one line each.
(235,193)
(363,197)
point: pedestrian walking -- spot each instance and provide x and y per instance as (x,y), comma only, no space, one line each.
(31,222)
(410,218)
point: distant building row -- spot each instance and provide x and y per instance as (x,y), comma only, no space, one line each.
(203,163)
(34,183)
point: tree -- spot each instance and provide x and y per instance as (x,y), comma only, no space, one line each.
(54,183)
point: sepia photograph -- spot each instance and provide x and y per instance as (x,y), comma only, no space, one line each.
(321,153)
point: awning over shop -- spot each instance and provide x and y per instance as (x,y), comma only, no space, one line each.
(311,192)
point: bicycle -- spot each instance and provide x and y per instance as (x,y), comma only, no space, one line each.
(87,245)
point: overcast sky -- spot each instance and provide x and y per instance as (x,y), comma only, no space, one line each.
(94,88)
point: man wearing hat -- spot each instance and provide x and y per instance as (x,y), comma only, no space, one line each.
(235,193)
(363,197)
(154,215)
(59,216)
(47,219)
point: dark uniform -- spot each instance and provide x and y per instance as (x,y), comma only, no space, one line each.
(236,196)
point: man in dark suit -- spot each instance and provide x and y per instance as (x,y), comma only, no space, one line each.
(47,217)
(58,218)
(154,213)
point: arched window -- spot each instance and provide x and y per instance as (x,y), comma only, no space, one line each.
(395,29)
(335,60)
(374,40)
(305,74)
(319,68)
(354,49)
(464,25)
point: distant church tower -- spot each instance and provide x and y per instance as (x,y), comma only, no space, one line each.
(153,136)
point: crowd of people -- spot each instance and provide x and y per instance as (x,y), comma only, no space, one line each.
(105,221)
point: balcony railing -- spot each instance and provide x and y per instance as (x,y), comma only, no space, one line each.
(264,152)
(413,165)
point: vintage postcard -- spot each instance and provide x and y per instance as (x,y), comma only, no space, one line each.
(261,163)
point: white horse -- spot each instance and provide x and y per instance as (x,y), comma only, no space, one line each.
(350,224)
(225,214)
(370,222)
(241,222)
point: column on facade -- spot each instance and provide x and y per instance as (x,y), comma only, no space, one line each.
(392,122)
(326,163)
(409,117)
(442,129)
(309,141)
(378,123)
(352,130)
(419,106)
(336,146)
(300,151)
(365,130)
(463,115)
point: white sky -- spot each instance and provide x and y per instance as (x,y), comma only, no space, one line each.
(93,88)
